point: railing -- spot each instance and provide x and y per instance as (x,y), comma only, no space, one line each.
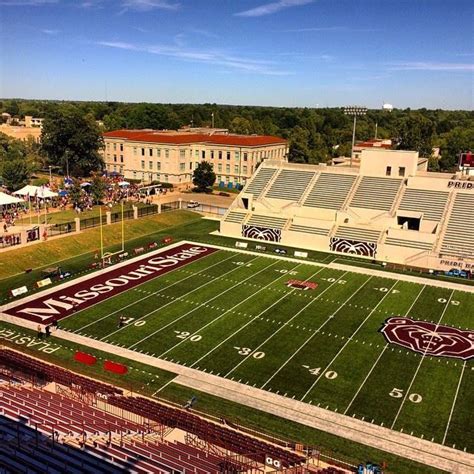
(93,222)
(63,228)
(147,210)
(117,216)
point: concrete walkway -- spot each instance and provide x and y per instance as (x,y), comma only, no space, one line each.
(400,444)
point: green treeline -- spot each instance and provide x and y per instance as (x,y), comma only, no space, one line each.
(315,135)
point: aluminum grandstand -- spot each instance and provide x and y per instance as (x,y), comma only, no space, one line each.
(53,420)
(388,209)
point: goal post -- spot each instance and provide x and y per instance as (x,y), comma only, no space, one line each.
(106,256)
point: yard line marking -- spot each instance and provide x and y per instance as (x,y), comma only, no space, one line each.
(174,300)
(315,332)
(225,312)
(251,321)
(421,361)
(380,355)
(454,402)
(284,325)
(195,309)
(145,297)
(349,339)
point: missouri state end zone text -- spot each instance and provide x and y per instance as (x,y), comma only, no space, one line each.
(65,301)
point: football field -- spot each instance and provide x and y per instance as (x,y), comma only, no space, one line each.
(246,318)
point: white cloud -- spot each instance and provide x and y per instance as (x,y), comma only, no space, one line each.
(430,66)
(273,7)
(214,57)
(330,29)
(148,5)
(47,31)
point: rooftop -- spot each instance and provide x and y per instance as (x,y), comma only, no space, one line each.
(183,138)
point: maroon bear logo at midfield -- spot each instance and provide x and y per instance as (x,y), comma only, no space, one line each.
(429,339)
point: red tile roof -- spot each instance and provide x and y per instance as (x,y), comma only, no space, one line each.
(152,136)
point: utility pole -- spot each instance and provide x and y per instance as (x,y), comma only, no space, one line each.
(354,111)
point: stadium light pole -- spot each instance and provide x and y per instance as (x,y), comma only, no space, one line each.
(354,111)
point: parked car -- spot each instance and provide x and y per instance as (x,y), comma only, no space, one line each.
(193,204)
(454,272)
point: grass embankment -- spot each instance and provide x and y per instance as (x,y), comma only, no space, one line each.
(75,252)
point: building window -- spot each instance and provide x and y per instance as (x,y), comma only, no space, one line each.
(196,153)
(121,158)
(158,165)
(245,170)
(237,155)
(121,147)
(203,154)
(219,167)
(158,152)
(143,164)
(388,171)
(401,171)
(165,178)
(182,167)
(212,154)
(191,165)
(150,165)
(115,158)
(228,155)
(220,155)
(151,151)
(115,167)
(167,153)
(182,153)
(245,156)
(134,150)
(227,168)
(236,169)
(134,175)
(143,151)
(196,164)
(115,146)
(158,177)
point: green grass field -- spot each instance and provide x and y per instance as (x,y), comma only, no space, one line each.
(232,314)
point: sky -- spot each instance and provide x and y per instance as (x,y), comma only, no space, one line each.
(308,53)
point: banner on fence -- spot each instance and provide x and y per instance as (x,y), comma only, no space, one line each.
(301,254)
(42,283)
(241,245)
(19,291)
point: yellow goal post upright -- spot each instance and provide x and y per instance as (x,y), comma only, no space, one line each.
(106,256)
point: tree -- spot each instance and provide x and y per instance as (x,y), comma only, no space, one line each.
(203,176)
(97,188)
(415,132)
(15,174)
(72,141)
(75,192)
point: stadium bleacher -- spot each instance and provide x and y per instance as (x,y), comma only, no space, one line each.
(330,191)
(267,221)
(57,430)
(414,244)
(430,203)
(309,229)
(290,185)
(259,181)
(457,239)
(357,234)
(237,217)
(376,193)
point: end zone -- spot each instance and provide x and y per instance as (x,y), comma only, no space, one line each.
(64,300)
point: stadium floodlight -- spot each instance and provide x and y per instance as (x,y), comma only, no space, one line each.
(355,111)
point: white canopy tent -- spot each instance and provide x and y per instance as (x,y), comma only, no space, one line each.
(124,184)
(36,191)
(7,199)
